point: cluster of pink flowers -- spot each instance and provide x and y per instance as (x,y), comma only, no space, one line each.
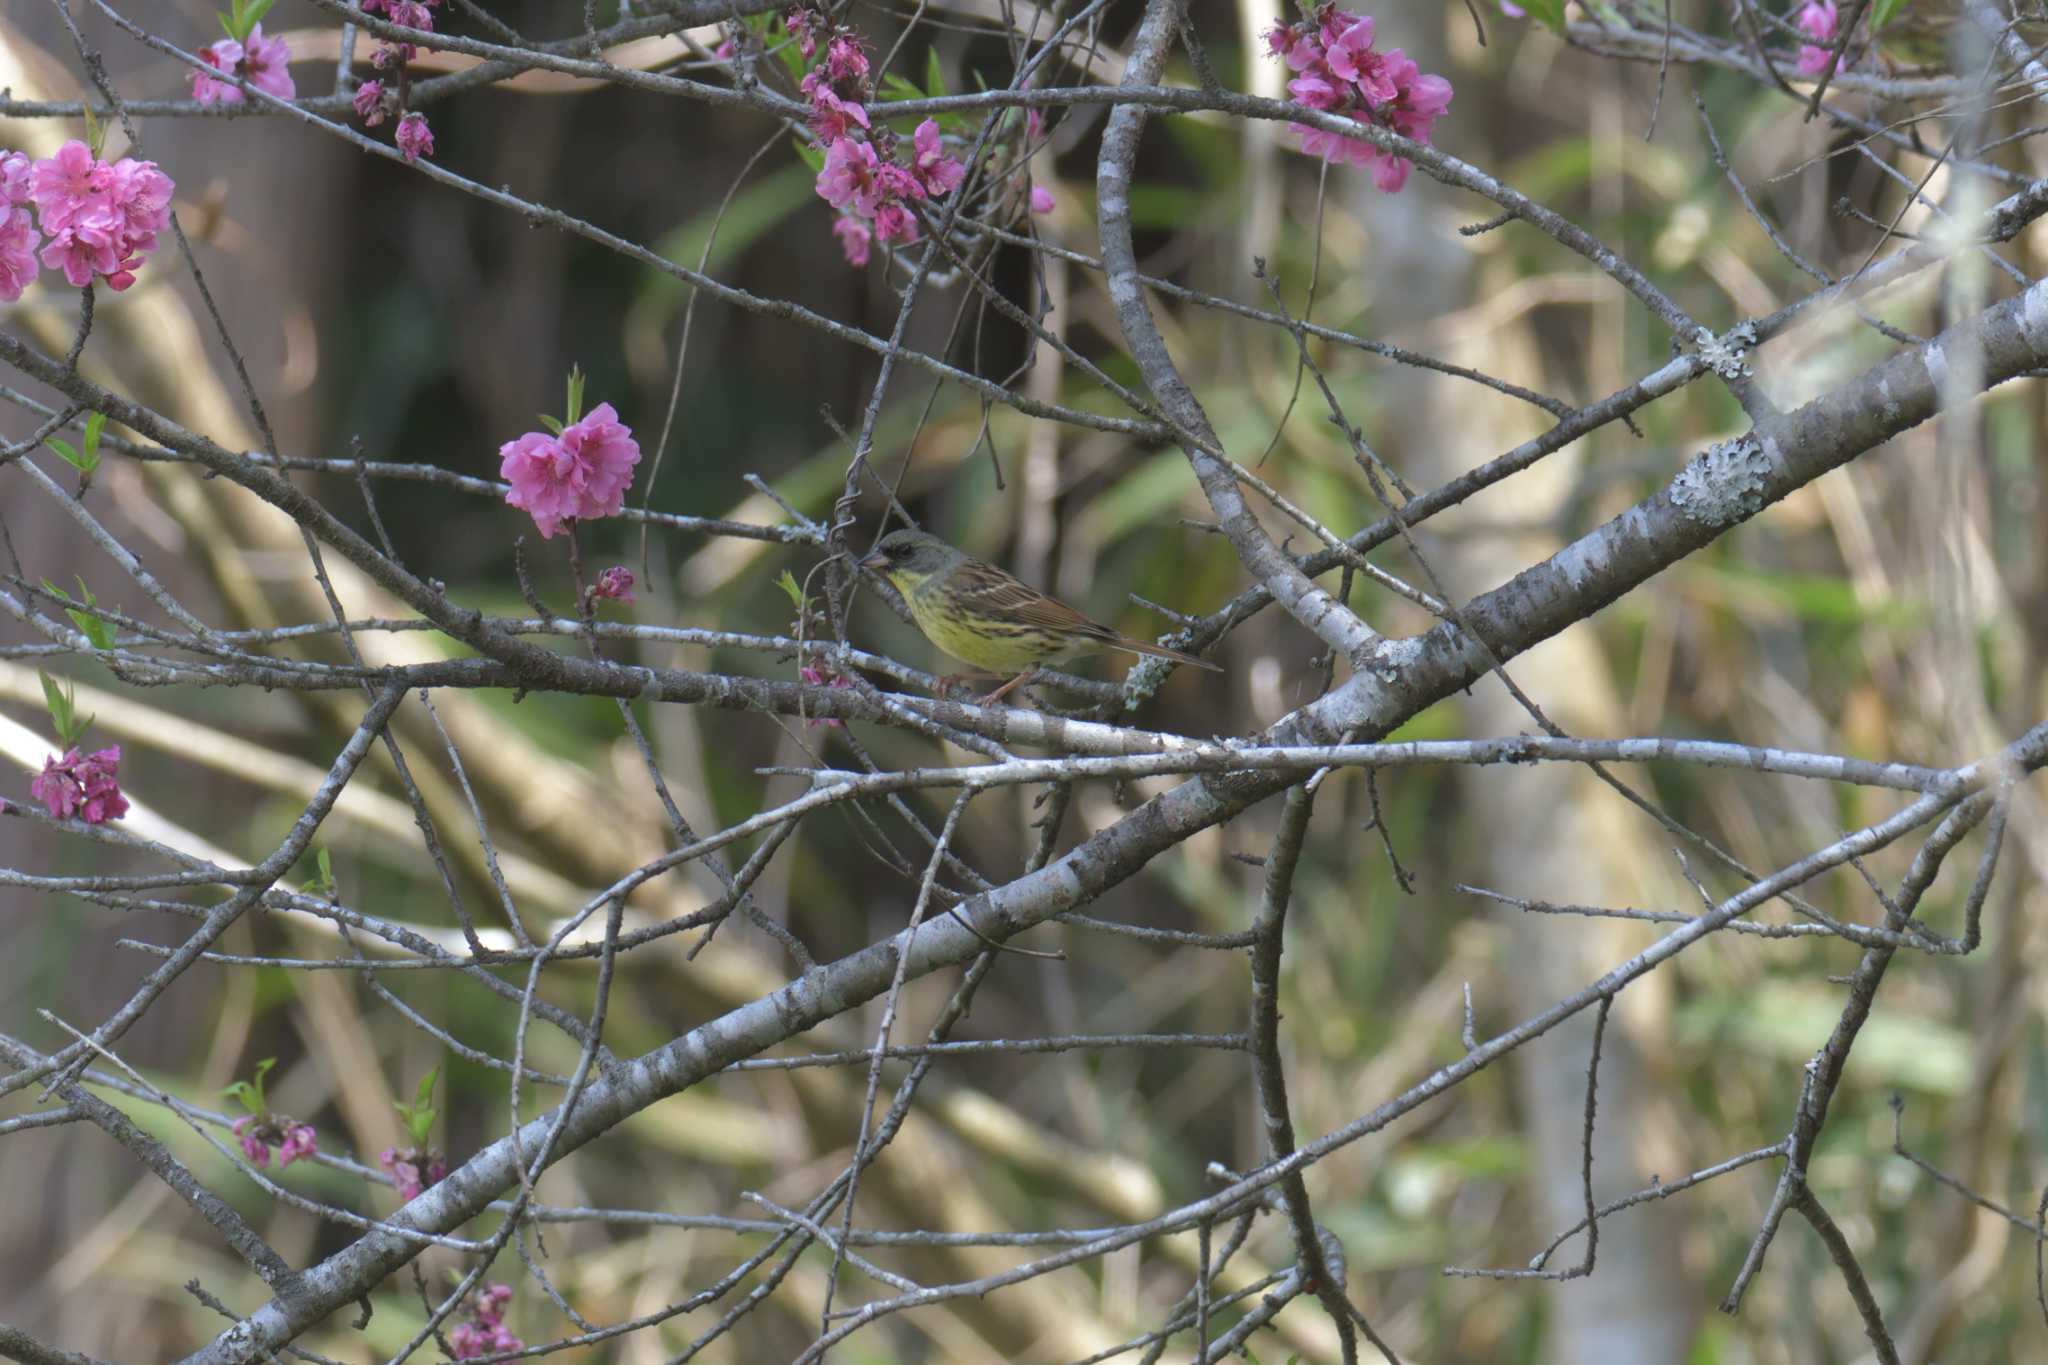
(582,473)
(261,61)
(374,101)
(1817,20)
(258,1135)
(613,585)
(412,1169)
(85,785)
(1339,72)
(862,178)
(485,1334)
(101,218)
(873,191)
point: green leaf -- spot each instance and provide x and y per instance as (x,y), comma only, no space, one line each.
(425,1091)
(250,1092)
(934,73)
(253,14)
(1881,12)
(789,585)
(898,88)
(94,425)
(227,26)
(550,423)
(63,705)
(1549,12)
(90,624)
(67,452)
(575,397)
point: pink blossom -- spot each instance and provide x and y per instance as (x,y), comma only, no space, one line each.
(831,115)
(1817,19)
(1341,73)
(251,1138)
(582,473)
(1042,200)
(18,242)
(414,138)
(485,1333)
(802,26)
(1034,124)
(87,786)
(263,62)
(895,223)
(14,177)
(848,174)
(938,173)
(413,1169)
(67,184)
(299,1141)
(101,218)
(369,103)
(1351,56)
(844,59)
(614,584)
(1314,92)
(854,235)
(225,55)
(1512,10)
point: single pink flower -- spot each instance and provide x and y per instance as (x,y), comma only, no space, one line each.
(264,62)
(614,584)
(369,103)
(253,1145)
(225,55)
(854,235)
(18,242)
(66,184)
(299,1141)
(844,59)
(414,138)
(938,173)
(895,223)
(14,177)
(848,174)
(1313,92)
(606,448)
(412,1169)
(1817,19)
(1042,200)
(1351,55)
(1034,124)
(832,114)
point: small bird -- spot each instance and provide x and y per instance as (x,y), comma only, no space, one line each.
(980,615)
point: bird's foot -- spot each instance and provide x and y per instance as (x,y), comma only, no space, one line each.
(1026,676)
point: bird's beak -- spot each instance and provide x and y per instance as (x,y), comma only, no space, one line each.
(875,562)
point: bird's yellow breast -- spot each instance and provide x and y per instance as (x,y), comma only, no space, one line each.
(972,638)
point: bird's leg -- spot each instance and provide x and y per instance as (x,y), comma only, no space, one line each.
(1026,676)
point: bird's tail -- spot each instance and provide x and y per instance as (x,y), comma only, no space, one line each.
(1162,652)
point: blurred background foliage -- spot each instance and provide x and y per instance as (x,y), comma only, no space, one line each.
(1893,610)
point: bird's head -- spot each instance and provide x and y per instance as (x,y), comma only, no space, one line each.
(908,558)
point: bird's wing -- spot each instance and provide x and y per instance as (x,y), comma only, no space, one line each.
(989,589)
